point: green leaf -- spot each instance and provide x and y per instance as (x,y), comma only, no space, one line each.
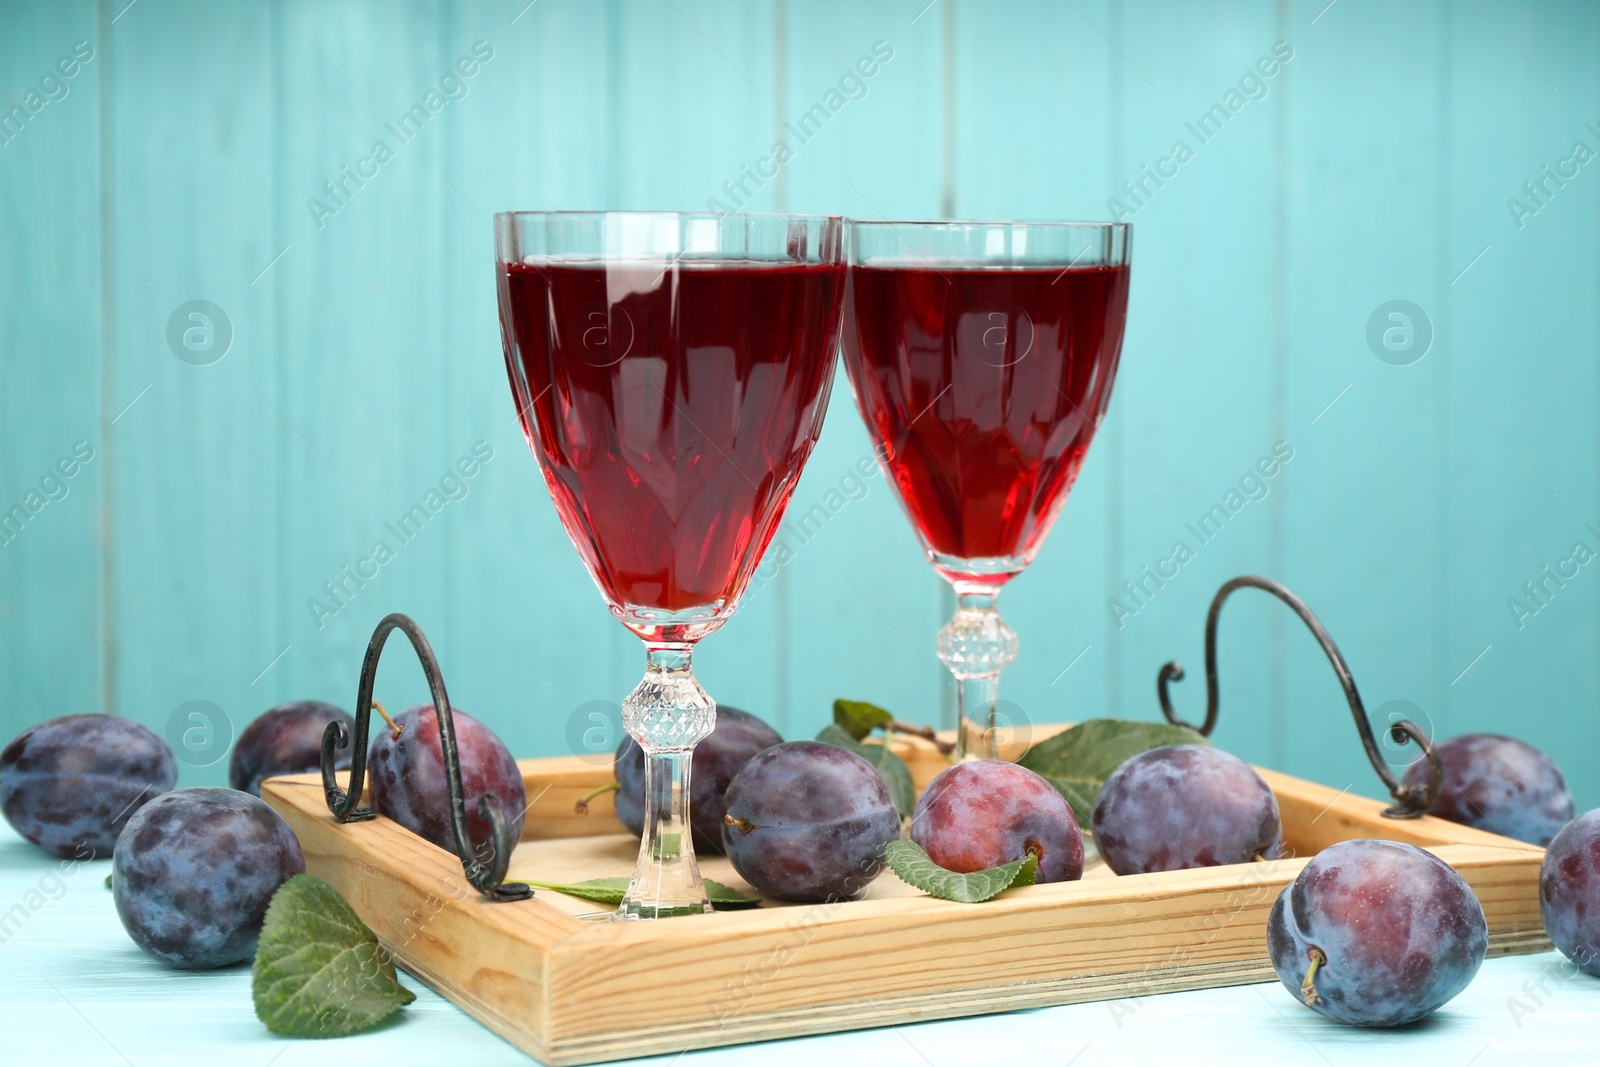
(858,718)
(896,775)
(319,970)
(1078,761)
(612,890)
(915,868)
(727,898)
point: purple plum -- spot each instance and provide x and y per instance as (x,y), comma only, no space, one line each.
(1184,806)
(284,740)
(1498,784)
(1376,933)
(408,782)
(1569,891)
(70,785)
(194,872)
(808,822)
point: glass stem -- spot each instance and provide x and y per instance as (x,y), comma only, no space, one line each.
(667,713)
(977,645)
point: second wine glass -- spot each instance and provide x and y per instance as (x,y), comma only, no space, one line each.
(982,356)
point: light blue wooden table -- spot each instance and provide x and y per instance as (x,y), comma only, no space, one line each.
(75,989)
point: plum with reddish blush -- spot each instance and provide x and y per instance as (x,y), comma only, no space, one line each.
(1376,933)
(1498,784)
(1569,891)
(1185,806)
(286,739)
(986,813)
(408,781)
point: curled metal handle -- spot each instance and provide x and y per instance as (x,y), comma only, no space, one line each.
(1409,800)
(488,878)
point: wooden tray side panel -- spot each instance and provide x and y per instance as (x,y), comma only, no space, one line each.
(777,974)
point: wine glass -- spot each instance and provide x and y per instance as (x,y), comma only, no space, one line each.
(982,356)
(671,372)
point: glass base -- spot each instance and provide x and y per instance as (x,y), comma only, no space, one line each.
(630,910)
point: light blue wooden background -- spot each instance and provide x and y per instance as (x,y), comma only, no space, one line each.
(365,356)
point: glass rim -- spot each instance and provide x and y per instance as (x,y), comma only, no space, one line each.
(808,216)
(600,213)
(963,224)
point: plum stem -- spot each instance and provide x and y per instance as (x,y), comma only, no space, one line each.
(927,733)
(378,707)
(744,827)
(1308,986)
(582,806)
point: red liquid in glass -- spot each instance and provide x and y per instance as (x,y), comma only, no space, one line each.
(985,385)
(671,412)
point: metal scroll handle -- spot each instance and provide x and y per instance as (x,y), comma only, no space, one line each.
(1409,800)
(488,878)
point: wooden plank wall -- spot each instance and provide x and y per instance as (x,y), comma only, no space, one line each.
(184,160)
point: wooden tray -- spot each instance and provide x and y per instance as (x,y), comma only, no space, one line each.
(555,978)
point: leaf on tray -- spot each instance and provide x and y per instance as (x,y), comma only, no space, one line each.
(319,970)
(916,869)
(612,890)
(894,770)
(858,718)
(1078,761)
